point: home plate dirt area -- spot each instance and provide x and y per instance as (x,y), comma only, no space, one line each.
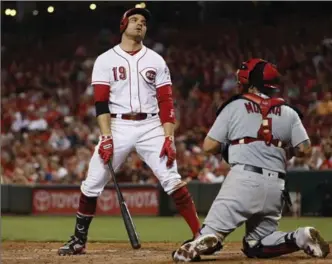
(100,253)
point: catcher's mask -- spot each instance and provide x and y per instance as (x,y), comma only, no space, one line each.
(124,20)
(259,73)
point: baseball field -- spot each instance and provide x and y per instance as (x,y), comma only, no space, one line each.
(36,239)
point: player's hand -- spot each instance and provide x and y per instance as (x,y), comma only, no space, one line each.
(290,153)
(106,148)
(169,151)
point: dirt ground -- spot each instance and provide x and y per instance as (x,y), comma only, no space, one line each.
(100,253)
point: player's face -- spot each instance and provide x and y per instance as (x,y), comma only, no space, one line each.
(136,27)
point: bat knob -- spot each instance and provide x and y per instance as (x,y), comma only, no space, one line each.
(138,246)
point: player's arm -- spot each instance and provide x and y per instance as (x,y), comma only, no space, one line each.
(100,81)
(211,145)
(165,99)
(101,91)
(216,139)
(300,139)
(101,96)
(303,150)
(166,111)
(167,118)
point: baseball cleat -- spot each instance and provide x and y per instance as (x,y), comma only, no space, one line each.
(75,246)
(214,251)
(316,246)
(191,251)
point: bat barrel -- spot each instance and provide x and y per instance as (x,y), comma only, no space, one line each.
(133,237)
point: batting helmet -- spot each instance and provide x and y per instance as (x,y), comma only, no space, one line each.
(259,73)
(124,20)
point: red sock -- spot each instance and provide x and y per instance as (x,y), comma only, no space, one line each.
(87,205)
(186,207)
(85,213)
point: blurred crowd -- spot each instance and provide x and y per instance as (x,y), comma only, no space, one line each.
(48,124)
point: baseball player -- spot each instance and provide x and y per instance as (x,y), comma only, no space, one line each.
(257,128)
(134,108)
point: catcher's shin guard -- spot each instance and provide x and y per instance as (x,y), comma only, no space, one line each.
(261,251)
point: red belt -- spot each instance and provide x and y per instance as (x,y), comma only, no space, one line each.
(133,116)
(277,143)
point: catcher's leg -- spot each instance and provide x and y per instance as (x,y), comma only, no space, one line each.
(97,177)
(148,147)
(229,210)
(263,241)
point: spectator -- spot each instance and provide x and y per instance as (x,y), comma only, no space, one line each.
(58,140)
(298,164)
(56,172)
(324,107)
(327,155)
(48,107)
(38,123)
(20,122)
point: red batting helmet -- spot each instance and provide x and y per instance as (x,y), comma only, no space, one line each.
(124,20)
(259,73)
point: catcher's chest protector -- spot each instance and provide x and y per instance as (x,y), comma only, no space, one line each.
(265,105)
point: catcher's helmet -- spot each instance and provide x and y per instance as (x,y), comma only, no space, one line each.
(124,20)
(259,73)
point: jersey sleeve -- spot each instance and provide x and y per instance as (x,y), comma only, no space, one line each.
(219,129)
(163,76)
(100,73)
(299,133)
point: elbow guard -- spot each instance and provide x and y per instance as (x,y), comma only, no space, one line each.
(165,103)
(101,94)
(102,108)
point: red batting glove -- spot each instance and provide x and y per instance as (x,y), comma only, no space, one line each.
(106,148)
(169,151)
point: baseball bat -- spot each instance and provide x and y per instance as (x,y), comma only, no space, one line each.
(130,227)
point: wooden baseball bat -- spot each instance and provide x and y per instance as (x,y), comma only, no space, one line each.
(130,227)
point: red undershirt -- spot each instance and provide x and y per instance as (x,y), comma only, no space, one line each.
(132,53)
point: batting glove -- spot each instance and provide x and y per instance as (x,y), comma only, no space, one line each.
(169,151)
(106,148)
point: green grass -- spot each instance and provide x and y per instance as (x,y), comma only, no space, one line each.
(46,228)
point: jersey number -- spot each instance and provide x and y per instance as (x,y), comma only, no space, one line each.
(119,72)
(265,130)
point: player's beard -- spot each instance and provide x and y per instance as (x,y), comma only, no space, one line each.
(138,37)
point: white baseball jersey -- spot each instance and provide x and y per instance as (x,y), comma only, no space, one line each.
(134,79)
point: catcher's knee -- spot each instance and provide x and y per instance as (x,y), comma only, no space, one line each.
(255,249)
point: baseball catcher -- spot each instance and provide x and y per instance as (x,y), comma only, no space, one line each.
(258,128)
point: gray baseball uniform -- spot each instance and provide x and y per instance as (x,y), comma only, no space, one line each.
(246,196)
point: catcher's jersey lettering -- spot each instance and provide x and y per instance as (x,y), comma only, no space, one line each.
(234,123)
(253,108)
(133,79)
